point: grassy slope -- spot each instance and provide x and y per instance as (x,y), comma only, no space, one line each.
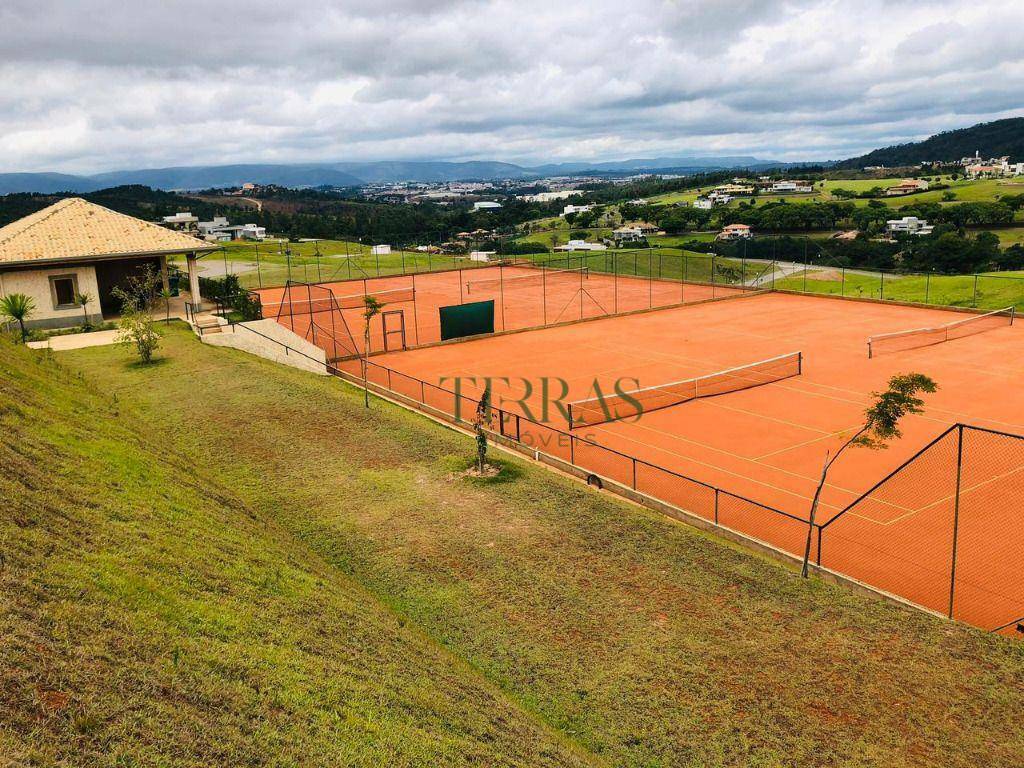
(149,617)
(644,641)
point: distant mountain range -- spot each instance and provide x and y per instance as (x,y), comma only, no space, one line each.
(355,174)
(995,139)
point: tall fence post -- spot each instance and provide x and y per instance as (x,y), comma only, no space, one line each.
(956,514)
(974,301)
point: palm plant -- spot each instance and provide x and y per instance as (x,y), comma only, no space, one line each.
(83,300)
(18,307)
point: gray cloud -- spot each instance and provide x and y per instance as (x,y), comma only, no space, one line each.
(105,84)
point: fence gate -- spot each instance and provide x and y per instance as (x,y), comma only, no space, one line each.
(394,330)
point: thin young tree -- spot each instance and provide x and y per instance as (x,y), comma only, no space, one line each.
(136,328)
(480,424)
(18,307)
(881,424)
(83,300)
(371,308)
(166,295)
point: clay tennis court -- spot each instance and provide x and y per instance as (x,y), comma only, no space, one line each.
(766,444)
(524,297)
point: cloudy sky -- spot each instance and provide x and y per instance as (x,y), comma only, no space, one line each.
(93,86)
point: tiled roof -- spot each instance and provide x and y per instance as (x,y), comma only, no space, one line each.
(74,228)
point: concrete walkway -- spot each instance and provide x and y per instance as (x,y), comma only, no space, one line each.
(76,341)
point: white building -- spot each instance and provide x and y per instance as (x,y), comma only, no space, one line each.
(704,203)
(576,209)
(547,197)
(380,250)
(791,187)
(183,220)
(581,245)
(209,228)
(482,255)
(486,205)
(909,225)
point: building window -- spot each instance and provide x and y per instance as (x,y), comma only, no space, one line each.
(64,290)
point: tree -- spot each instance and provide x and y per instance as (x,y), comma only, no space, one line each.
(166,295)
(480,424)
(136,327)
(881,424)
(18,307)
(371,308)
(82,300)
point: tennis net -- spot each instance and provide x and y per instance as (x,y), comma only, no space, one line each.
(923,337)
(623,405)
(333,303)
(543,277)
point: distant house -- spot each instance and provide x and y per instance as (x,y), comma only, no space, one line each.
(627,234)
(482,255)
(581,245)
(183,221)
(791,187)
(736,232)
(850,234)
(485,205)
(909,225)
(547,197)
(719,198)
(380,250)
(735,189)
(221,230)
(704,203)
(576,209)
(907,187)
(210,228)
(76,248)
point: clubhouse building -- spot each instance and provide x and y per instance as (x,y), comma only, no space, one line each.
(74,248)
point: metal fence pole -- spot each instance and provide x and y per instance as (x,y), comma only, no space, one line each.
(956,514)
(927,285)
(974,301)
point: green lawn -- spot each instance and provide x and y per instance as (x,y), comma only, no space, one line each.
(155,612)
(993,291)
(263,265)
(611,634)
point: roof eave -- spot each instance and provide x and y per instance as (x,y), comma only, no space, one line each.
(202,249)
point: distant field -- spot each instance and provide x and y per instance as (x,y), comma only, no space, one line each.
(265,264)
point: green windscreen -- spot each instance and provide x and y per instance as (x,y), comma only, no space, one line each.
(460,320)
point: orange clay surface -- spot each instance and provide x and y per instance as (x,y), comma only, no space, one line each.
(523,298)
(768,443)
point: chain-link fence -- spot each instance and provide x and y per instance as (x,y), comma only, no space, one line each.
(944,531)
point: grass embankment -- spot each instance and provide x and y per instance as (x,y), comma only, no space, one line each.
(150,617)
(643,641)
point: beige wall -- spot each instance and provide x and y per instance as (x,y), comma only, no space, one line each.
(36,283)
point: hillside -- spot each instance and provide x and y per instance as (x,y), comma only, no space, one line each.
(641,641)
(149,616)
(347,174)
(995,139)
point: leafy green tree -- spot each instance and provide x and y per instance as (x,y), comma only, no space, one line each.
(881,424)
(136,327)
(18,308)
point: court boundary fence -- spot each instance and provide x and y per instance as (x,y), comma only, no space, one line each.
(778,531)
